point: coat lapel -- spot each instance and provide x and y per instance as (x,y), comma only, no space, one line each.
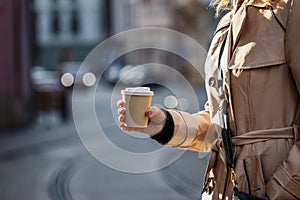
(238,21)
(237,26)
(235,30)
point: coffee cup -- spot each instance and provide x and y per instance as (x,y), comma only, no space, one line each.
(137,100)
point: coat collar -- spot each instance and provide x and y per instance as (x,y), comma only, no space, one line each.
(235,22)
(239,18)
(256,3)
(224,22)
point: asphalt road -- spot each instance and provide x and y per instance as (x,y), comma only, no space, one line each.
(49,160)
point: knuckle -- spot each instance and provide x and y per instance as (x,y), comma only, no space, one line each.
(121,118)
(120,103)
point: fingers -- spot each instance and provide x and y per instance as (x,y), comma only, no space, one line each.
(121,118)
(122,114)
(124,127)
(120,103)
(121,111)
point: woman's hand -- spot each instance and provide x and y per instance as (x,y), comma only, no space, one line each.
(156,115)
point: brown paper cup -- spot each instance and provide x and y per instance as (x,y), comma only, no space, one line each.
(137,101)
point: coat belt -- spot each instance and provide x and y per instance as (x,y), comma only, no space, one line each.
(251,137)
(263,135)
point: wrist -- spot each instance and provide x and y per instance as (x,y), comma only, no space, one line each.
(160,126)
(166,131)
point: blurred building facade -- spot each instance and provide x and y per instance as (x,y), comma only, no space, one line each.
(63,26)
(67,27)
(190,17)
(15,63)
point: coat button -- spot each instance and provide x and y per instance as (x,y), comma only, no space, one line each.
(212,81)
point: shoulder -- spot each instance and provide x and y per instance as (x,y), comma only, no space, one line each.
(224,22)
(283,8)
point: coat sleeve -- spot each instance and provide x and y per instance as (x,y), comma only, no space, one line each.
(285,181)
(192,131)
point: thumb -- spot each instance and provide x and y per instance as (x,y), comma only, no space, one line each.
(156,115)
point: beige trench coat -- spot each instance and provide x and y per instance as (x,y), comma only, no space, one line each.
(261,65)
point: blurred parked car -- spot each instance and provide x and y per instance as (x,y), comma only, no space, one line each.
(49,94)
(131,75)
(112,74)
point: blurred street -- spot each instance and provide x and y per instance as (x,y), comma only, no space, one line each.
(48,161)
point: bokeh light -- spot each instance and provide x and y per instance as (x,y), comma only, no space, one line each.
(170,102)
(89,79)
(67,79)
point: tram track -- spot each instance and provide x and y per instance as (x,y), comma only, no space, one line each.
(59,181)
(59,185)
(35,148)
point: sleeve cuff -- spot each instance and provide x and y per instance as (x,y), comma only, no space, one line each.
(165,135)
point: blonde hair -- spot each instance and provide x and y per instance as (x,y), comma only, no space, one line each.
(221,5)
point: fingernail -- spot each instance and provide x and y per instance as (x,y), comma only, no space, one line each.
(148,113)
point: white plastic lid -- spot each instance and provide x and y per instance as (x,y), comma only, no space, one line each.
(140,91)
